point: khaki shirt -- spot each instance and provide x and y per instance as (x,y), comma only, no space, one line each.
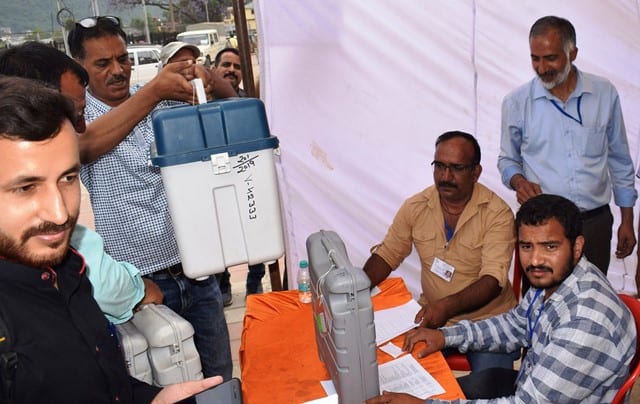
(482,244)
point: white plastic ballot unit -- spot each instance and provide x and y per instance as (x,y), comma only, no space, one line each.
(217,166)
(343,316)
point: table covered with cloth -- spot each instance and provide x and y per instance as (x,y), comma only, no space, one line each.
(279,357)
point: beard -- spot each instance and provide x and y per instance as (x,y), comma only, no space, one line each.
(566,270)
(17,250)
(559,77)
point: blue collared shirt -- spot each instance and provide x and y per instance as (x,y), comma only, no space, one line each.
(582,161)
(117,286)
(128,198)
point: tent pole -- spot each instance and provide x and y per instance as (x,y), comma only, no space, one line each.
(244,47)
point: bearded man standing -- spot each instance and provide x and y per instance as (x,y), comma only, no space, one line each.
(563,133)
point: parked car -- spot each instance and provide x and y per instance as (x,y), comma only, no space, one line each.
(144,62)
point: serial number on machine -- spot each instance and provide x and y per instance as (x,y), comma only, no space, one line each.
(251,200)
(245,163)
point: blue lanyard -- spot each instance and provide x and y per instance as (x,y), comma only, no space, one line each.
(565,113)
(535,323)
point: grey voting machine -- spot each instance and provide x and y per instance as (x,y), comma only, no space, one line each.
(343,317)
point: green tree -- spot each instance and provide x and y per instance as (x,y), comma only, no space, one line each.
(69,24)
(184,11)
(138,23)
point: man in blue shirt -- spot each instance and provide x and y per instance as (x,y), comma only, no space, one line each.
(563,133)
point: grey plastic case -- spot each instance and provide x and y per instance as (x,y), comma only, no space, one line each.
(343,317)
(172,351)
(134,349)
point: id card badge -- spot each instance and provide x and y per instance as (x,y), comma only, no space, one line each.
(442,269)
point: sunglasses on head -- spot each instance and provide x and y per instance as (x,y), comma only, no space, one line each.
(91,22)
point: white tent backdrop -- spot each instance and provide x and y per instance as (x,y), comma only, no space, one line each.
(358,91)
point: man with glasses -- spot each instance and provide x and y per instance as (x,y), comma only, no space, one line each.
(172,83)
(127,195)
(563,133)
(464,236)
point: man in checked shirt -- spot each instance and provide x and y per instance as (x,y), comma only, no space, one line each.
(580,336)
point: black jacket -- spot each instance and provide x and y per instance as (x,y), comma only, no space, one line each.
(65,350)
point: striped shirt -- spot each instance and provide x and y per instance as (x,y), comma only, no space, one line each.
(581,341)
(128,198)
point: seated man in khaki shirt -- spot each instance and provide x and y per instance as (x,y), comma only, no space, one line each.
(464,235)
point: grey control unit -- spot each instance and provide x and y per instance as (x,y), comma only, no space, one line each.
(343,317)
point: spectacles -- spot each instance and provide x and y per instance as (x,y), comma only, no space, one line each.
(439,167)
(90,22)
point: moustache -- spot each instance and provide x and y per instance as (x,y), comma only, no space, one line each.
(548,75)
(116,78)
(538,267)
(447,184)
(235,76)
(47,228)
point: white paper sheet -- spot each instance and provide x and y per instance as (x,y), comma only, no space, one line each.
(328,387)
(395,321)
(392,349)
(406,375)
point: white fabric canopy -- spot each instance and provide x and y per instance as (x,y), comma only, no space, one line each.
(358,91)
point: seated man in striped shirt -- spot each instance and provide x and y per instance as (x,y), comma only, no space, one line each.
(580,336)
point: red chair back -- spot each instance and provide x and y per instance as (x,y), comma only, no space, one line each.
(634,367)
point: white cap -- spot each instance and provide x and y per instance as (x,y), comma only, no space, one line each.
(172,48)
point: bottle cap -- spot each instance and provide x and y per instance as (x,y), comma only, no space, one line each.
(303,264)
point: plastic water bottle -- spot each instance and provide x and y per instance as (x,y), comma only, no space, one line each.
(304,282)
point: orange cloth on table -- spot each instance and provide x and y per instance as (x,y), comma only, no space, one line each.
(279,356)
